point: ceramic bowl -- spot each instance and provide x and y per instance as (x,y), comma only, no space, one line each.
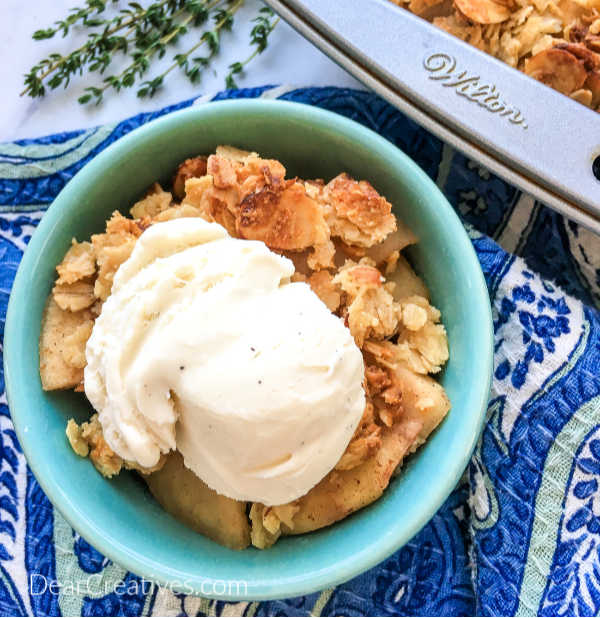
(119,517)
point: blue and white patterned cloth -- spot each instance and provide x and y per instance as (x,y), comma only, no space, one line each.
(521,533)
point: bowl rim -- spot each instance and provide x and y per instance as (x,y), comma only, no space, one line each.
(318,579)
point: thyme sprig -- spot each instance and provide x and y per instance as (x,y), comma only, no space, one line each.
(142,35)
(192,67)
(259,37)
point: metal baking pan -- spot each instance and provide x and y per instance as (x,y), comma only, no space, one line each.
(534,137)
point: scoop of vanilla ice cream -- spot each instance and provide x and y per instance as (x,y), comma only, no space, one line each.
(204,345)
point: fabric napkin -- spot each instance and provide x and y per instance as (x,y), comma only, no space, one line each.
(519,535)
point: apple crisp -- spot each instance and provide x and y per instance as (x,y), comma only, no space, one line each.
(347,245)
(556,42)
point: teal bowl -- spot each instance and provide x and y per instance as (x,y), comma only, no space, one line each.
(119,517)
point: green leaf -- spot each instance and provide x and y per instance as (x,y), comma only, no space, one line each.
(128,80)
(55,81)
(230,83)
(212,39)
(194,74)
(39,35)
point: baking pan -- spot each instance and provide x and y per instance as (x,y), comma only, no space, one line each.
(536,138)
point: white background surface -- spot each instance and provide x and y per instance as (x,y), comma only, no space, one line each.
(289,59)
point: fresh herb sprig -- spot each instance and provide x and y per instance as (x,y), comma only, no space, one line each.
(142,34)
(259,37)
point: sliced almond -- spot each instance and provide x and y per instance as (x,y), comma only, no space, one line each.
(484,11)
(558,69)
(592,83)
(583,95)
(592,42)
(590,59)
